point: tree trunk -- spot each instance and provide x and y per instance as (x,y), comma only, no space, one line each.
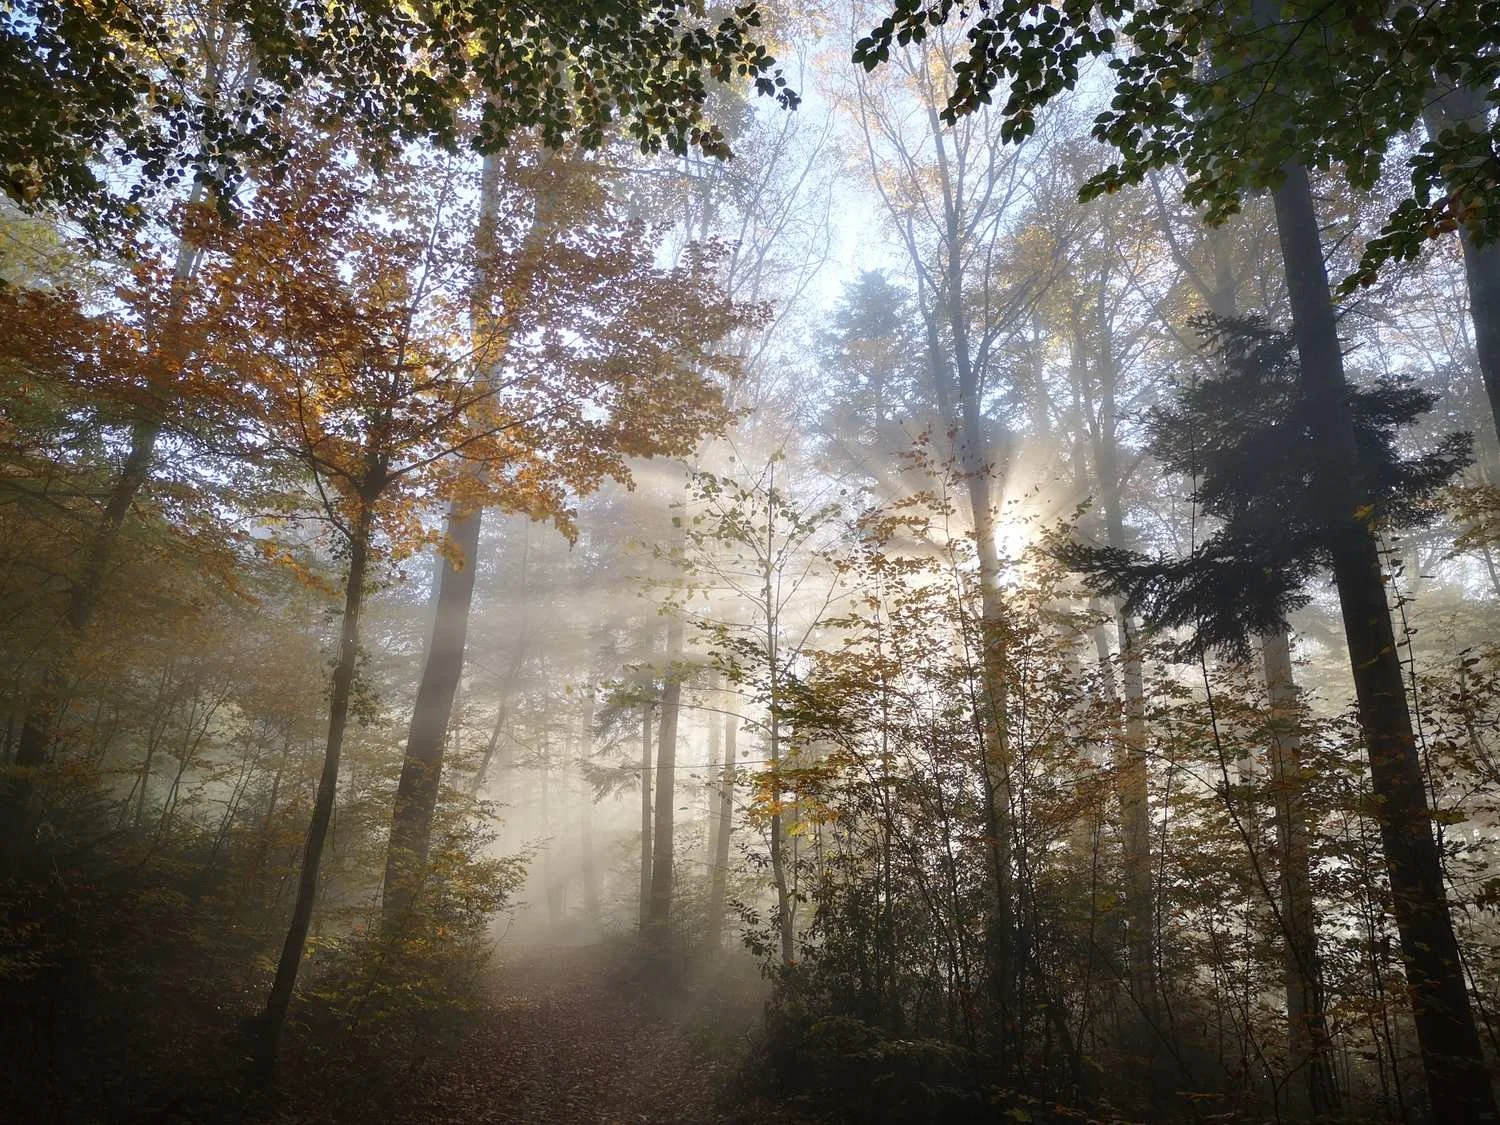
(1133,776)
(1457,1080)
(512,678)
(274,1019)
(421,771)
(715,771)
(645,903)
(773,737)
(977,462)
(719,882)
(592,892)
(416,793)
(1310,1060)
(659,911)
(554,874)
(34,745)
(1309,1054)
(443,664)
(966,419)
(1135,823)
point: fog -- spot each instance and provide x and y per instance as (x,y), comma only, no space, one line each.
(859,564)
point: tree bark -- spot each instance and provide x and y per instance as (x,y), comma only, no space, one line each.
(715,770)
(719,881)
(274,1019)
(773,737)
(659,909)
(1457,1080)
(443,663)
(646,823)
(1132,773)
(1309,1054)
(592,892)
(421,771)
(512,678)
(976,462)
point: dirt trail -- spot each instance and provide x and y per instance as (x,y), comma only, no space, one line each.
(568,1037)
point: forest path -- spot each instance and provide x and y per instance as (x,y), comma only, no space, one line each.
(575,1036)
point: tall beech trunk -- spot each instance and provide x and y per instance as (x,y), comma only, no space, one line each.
(274,1019)
(646,825)
(421,771)
(1310,1048)
(659,905)
(553,872)
(1310,1059)
(1456,105)
(1457,1080)
(718,883)
(1135,823)
(443,663)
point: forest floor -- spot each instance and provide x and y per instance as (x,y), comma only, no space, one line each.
(581,1036)
(559,1032)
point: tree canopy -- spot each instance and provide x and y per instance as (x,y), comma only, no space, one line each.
(106,103)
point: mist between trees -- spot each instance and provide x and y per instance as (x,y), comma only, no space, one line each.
(651,564)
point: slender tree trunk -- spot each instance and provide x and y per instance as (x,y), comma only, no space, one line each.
(715,771)
(1457,1079)
(773,737)
(553,873)
(976,461)
(497,729)
(646,824)
(1310,1059)
(589,865)
(512,678)
(1133,776)
(719,882)
(1309,1045)
(156,733)
(274,1019)
(659,912)
(35,742)
(1309,1055)
(966,418)
(1135,822)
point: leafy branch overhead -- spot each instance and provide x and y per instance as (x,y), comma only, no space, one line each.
(165,91)
(1232,93)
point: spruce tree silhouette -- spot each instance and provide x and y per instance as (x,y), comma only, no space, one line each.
(1244,435)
